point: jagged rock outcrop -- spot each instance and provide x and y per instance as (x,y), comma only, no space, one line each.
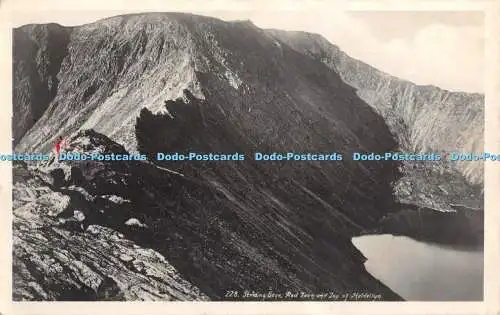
(435,186)
(422,118)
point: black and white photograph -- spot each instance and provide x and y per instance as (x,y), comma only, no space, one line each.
(264,156)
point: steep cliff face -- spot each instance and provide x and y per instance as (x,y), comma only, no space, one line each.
(423,118)
(38,51)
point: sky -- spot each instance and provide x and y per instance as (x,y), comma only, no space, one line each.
(442,48)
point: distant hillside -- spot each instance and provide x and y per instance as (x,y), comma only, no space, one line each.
(422,118)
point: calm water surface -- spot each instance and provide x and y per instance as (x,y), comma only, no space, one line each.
(420,271)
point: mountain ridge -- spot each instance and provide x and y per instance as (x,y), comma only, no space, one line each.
(321,38)
(408,137)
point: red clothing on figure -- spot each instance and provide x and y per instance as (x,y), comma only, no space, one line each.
(58,147)
(59,144)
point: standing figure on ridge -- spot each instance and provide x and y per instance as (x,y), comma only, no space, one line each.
(60,144)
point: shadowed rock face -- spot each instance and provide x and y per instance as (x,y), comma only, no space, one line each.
(463,228)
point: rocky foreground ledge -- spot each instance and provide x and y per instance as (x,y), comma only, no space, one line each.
(129,231)
(59,255)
